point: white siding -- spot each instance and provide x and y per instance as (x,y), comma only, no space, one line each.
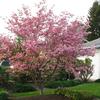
(96,63)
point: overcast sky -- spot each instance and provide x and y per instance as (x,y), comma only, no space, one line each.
(77,7)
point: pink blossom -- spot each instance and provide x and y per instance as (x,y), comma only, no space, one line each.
(61,39)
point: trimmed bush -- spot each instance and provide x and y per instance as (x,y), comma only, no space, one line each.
(19,87)
(3,96)
(74,95)
(98,80)
(67,83)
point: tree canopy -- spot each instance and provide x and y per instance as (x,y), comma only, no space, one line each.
(44,42)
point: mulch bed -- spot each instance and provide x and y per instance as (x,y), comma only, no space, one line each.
(43,97)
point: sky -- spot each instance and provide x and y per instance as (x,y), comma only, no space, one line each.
(79,8)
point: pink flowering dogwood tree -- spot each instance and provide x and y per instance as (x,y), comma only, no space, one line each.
(44,42)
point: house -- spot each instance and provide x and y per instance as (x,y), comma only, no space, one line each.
(96,58)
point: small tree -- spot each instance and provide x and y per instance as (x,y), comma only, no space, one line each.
(43,43)
(85,69)
(94,21)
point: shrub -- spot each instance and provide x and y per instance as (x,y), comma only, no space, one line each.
(98,80)
(62,75)
(67,83)
(19,87)
(3,76)
(74,95)
(3,96)
(84,69)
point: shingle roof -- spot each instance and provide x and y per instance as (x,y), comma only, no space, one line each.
(95,43)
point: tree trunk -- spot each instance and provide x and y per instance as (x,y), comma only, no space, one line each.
(41,88)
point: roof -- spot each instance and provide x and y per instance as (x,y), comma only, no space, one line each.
(95,43)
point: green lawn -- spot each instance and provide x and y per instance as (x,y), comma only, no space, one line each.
(35,93)
(91,88)
(2,90)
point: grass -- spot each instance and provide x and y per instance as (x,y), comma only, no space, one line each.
(2,90)
(35,93)
(91,88)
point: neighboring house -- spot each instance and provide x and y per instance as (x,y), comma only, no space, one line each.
(96,58)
